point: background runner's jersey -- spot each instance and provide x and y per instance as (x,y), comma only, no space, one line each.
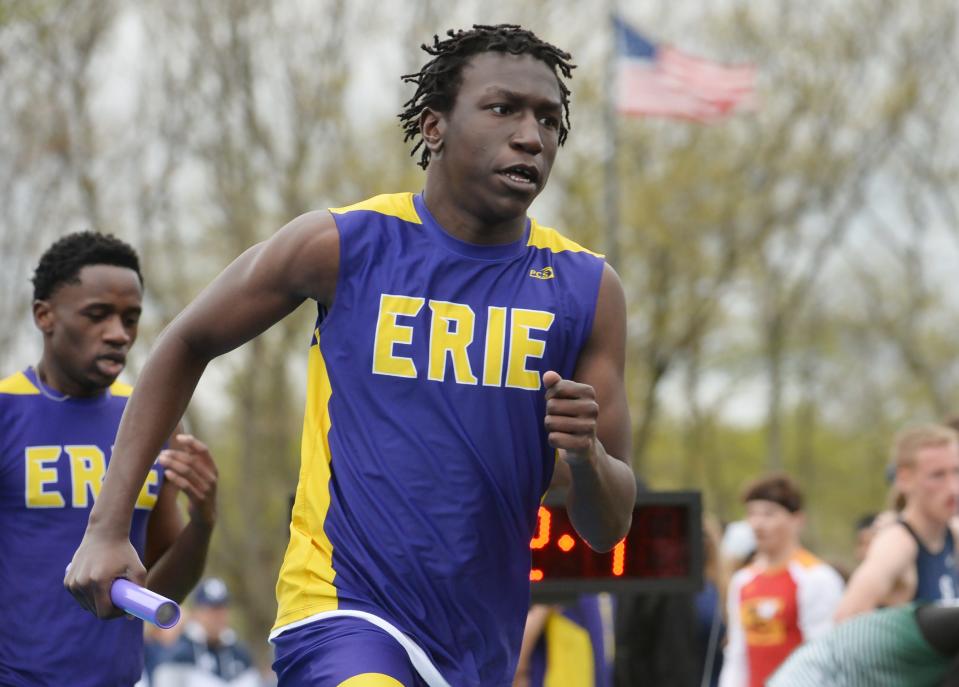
(880,649)
(424,454)
(53,455)
(773,611)
(937,575)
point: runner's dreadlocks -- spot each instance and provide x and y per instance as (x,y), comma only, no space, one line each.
(439,80)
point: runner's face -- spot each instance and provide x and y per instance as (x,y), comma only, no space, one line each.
(214,619)
(501,136)
(934,483)
(775,527)
(90,326)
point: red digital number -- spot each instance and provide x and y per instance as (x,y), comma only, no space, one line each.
(541,539)
(543,518)
(619,558)
(566,542)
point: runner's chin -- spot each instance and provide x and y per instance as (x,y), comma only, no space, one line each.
(109,368)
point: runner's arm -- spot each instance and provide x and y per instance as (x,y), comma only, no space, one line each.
(259,288)
(889,557)
(588,420)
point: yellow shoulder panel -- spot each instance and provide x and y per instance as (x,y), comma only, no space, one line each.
(545,237)
(18,385)
(118,388)
(392,204)
(806,559)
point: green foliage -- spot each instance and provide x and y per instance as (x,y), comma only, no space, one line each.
(846,478)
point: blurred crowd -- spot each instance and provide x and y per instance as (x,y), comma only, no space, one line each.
(202,650)
(765,595)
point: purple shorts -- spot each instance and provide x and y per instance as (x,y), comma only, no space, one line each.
(342,652)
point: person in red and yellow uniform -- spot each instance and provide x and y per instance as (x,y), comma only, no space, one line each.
(785,597)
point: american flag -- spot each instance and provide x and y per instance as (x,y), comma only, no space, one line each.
(660,81)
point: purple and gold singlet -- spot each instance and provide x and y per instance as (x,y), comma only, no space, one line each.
(53,455)
(424,454)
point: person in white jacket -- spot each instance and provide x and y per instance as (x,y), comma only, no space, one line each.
(784,597)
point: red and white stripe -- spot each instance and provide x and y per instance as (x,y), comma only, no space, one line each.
(683,86)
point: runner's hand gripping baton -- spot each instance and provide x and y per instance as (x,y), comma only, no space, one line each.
(144,604)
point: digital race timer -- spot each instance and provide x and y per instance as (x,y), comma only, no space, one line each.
(662,552)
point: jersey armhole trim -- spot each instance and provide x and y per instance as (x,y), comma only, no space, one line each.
(340,271)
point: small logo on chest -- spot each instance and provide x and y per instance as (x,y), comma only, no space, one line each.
(545,273)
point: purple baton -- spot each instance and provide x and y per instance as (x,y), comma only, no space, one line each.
(144,604)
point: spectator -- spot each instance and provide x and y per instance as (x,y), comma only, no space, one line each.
(208,653)
(914,558)
(157,643)
(784,597)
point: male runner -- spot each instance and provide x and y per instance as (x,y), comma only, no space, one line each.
(785,597)
(58,421)
(461,352)
(914,559)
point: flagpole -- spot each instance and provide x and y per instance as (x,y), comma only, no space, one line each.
(610,120)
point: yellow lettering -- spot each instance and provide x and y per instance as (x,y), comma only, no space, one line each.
(389,333)
(495,346)
(39,475)
(451,332)
(522,346)
(147,499)
(88,467)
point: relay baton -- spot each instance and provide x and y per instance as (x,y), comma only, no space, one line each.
(144,604)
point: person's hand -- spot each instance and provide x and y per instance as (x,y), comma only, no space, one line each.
(572,414)
(97,563)
(191,469)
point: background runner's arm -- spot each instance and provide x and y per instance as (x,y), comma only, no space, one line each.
(589,420)
(889,557)
(175,553)
(259,288)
